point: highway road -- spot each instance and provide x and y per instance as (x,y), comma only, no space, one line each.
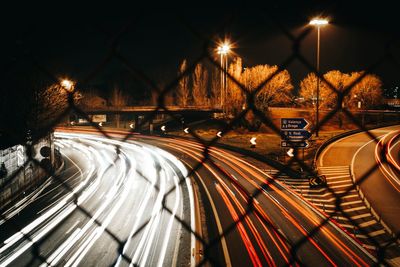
(361,158)
(109,207)
(236,214)
(275,226)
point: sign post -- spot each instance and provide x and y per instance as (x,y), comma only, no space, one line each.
(294,133)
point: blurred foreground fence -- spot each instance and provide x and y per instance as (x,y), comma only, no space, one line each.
(23,166)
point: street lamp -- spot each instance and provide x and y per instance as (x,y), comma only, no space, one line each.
(223,51)
(67,85)
(318,22)
(358,99)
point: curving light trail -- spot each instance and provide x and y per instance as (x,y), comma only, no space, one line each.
(259,221)
(249,178)
(138,178)
(386,160)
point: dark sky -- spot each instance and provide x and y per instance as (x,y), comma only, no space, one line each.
(72,40)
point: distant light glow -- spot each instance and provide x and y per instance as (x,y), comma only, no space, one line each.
(186,130)
(219,134)
(224,49)
(319,22)
(67,84)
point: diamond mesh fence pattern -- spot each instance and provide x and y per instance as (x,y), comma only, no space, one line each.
(384,247)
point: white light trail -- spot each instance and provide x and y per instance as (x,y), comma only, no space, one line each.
(157,232)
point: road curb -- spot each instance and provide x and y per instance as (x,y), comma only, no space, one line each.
(377,217)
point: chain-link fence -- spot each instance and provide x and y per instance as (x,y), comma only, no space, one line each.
(380,240)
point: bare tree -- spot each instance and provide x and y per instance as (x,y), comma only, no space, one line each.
(154,94)
(276,91)
(200,81)
(340,81)
(367,92)
(183,93)
(118,99)
(91,98)
(168,98)
(49,104)
(328,93)
(235,96)
(215,88)
(308,89)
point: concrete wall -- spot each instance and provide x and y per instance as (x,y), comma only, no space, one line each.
(22,176)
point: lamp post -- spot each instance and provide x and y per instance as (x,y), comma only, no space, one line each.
(318,22)
(68,86)
(223,51)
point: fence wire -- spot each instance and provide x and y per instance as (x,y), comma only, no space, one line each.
(382,250)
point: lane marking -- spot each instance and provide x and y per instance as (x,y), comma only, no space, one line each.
(341,182)
(365,215)
(366,224)
(219,226)
(354,209)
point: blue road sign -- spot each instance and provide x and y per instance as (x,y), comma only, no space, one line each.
(301,144)
(293,123)
(295,134)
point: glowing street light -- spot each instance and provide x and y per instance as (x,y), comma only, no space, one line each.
(67,85)
(318,22)
(219,134)
(186,130)
(223,50)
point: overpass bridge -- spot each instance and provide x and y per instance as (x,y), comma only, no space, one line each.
(147,110)
(144,116)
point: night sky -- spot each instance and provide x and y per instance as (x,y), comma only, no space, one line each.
(70,40)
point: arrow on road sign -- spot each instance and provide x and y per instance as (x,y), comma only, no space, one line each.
(293,123)
(301,144)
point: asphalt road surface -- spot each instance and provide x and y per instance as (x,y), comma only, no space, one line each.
(130,202)
(109,207)
(361,159)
